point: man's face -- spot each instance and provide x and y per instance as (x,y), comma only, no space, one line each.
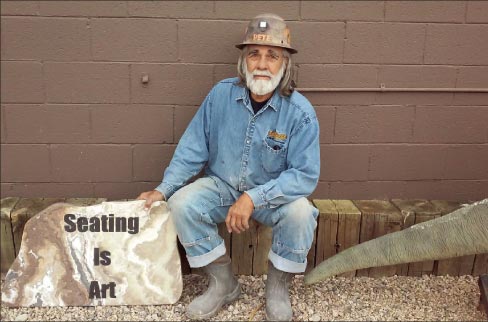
(265,66)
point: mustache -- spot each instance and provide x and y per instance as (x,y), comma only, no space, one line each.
(262,73)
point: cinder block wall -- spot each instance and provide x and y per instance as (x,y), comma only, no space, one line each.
(77,121)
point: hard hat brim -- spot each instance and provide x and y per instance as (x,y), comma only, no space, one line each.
(242,45)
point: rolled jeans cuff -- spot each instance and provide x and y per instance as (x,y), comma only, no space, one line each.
(207,258)
(286,265)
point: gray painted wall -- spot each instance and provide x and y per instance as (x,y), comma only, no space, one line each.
(76,120)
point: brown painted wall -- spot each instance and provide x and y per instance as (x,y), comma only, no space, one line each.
(76,120)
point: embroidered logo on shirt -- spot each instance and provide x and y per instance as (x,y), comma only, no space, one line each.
(277,136)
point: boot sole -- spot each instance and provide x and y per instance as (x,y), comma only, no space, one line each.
(226,300)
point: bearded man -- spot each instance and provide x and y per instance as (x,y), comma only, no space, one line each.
(258,141)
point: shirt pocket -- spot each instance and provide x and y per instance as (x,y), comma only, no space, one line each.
(273,155)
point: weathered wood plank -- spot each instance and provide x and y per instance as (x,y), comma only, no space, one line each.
(367,228)
(83,202)
(480,265)
(483,284)
(7,246)
(457,266)
(378,218)
(408,220)
(185,267)
(222,228)
(328,221)
(313,247)
(423,211)
(446,206)
(349,227)
(25,209)
(243,250)
(263,240)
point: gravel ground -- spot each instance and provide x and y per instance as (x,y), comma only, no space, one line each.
(361,298)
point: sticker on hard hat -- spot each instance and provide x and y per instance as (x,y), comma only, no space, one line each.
(262,37)
(262,24)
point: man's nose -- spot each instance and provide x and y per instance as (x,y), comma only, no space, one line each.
(262,64)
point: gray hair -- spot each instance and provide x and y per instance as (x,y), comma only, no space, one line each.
(286,85)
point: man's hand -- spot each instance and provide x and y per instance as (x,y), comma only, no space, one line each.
(239,213)
(150,197)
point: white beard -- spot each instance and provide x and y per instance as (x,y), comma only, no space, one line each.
(263,86)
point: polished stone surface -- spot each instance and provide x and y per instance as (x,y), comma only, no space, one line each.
(56,262)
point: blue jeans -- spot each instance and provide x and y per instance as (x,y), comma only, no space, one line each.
(198,207)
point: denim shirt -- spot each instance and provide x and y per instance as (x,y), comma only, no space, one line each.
(273,155)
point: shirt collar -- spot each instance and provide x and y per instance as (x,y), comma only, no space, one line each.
(274,102)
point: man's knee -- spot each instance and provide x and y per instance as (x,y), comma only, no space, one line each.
(183,204)
(300,212)
(194,199)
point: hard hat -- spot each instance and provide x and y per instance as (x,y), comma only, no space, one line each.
(267,29)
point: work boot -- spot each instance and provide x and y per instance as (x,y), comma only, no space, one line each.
(278,306)
(223,288)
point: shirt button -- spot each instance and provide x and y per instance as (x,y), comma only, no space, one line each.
(248,141)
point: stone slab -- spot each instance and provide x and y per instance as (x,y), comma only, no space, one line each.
(112,263)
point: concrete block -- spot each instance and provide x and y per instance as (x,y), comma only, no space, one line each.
(21,82)
(150,161)
(425,11)
(179,84)
(456,44)
(477,12)
(132,124)
(34,38)
(317,42)
(344,162)
(374,124)
(83,8)
(47,123)
(463,124)
(417,76)
(246,10)
(91,163)
(384,43)
(203,41)
(171,9)
(19,8)
(87,82)
(342,10)
(312,75)
(25,163)
(115,39)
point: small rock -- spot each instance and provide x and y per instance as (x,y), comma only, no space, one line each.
(315,317)
(22,317)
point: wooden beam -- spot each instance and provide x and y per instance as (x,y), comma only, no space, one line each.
(483,284)
(261,248)
(480,265)
(7,246)
(24,210)
(423,211)
(328,222)
(456,266)
(243,250)
(378,218)
(348,229)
